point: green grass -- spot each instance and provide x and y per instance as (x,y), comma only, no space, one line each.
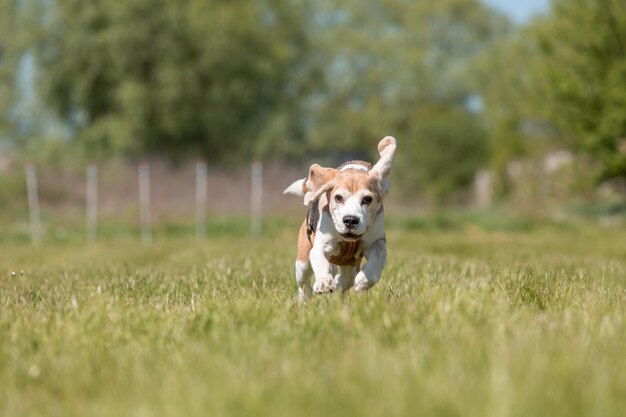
(465,322)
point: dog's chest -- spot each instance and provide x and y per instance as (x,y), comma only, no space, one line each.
(347,254)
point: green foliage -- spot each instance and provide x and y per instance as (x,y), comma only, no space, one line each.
(248,78)
(475,324)
(236,78)
(442,154)
(396,60)
(404,68)
(502,72)
(168,76)
(561,82)
(9,36)
(21,116)
(583,69)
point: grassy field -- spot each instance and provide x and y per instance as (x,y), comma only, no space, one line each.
(466,322)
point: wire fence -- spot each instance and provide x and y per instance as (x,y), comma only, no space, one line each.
(146,187)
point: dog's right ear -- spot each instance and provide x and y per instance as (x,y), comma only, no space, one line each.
(319,181)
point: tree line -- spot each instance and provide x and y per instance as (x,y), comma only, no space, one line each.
(459,84)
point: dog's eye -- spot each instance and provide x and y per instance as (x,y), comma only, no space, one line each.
(367,200)
(339,198)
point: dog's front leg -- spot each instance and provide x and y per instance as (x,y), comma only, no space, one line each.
(324,281)
(376,256)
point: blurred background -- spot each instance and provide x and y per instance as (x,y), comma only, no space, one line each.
(501,108)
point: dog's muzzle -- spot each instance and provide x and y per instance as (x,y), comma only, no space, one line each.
(351,222)
(350,236)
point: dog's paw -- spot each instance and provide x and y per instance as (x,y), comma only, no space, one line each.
(361,283)
(324,285)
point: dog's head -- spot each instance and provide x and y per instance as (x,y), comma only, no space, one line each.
(355,194)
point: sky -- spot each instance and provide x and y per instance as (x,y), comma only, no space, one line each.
(520,11)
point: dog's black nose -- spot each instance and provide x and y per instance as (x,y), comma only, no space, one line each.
(350,221)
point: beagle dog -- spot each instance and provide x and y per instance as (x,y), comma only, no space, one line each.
(344,224)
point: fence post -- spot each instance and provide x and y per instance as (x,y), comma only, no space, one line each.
(256,198)
(483,188)
(144,203)
(92,202)
(201,199)
(33,203)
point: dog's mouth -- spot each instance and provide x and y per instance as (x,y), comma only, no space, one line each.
(350,236)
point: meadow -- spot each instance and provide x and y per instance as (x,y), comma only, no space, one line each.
(467,321)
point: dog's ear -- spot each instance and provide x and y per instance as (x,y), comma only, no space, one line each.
(319,181)
(380,171)
(297,188)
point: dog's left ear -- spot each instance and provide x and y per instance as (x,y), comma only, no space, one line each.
(319,181)
(380,171)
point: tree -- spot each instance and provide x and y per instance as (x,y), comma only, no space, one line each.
(582,70)
(13,41)
(402,67)
(516,126)
(568,82)
(445,150)
(230,79)
(167,75)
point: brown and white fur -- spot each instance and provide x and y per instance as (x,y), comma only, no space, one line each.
(350,215)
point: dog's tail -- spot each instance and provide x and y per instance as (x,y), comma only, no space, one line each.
(298,188)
